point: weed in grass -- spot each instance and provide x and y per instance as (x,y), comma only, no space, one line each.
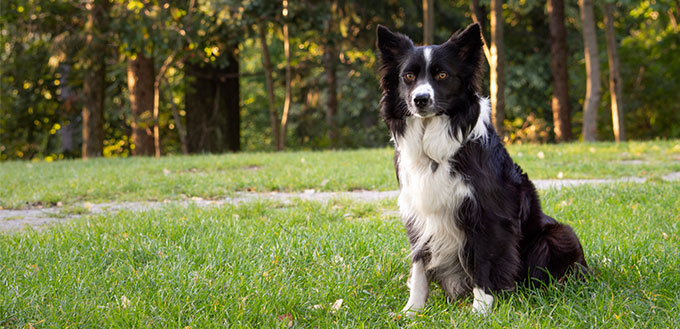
(70,211)
(10,218)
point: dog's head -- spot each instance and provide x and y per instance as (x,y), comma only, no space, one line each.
(429,80)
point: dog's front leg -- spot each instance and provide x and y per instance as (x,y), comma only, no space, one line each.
(496,261)
(419,286)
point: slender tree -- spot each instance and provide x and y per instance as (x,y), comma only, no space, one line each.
(288,95)
(269,83)
(560,76)
(615,88)
(593,89)
(497,67)
(94,82)
(428,22)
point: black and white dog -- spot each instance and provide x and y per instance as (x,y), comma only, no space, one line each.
(473,218)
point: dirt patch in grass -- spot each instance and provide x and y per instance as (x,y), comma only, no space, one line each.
(37,218)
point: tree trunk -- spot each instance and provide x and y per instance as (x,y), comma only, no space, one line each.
(141,87)
(330,57)
(479,16)
(213,120)
(593,90)
(615,88)
(156,115)
(94,80)
(428,22)
(558,64)
(269,83)
(287,99)
(497,67)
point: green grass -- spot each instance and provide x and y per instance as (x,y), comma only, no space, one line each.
(24,184)
(267,265)
(69,211)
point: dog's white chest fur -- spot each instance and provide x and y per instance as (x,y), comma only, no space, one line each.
(430,194)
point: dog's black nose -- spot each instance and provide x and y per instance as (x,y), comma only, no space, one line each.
(422,100)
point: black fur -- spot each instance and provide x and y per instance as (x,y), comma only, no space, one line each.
(508,238)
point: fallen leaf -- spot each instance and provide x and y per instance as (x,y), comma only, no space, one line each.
(124,302)
(324,182)
(284,317)
(337,305)
(166,171)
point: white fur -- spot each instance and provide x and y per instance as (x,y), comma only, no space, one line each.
(427,52)
(423,88)
(431,198)
(419,286)
(479,131)
(483,301)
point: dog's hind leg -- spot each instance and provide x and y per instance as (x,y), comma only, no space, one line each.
(556,252)
(419,286)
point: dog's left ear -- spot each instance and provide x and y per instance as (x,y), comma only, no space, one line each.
(468,43)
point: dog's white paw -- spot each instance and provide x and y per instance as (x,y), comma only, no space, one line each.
(410,311)
(483,302)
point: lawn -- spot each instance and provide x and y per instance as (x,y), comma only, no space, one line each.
(25,184)
(300,264)
(263,265)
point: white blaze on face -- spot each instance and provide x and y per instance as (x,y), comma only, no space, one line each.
(424,88)
(427,52)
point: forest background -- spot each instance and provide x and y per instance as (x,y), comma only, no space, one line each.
(121,78)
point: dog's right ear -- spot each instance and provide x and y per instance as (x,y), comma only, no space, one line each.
(391,45)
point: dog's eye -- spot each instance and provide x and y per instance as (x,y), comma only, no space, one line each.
(409,76)
(442,75)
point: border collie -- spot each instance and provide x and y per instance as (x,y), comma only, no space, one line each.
(472,216)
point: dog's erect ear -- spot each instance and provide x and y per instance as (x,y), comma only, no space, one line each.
(468,43)
(391,45)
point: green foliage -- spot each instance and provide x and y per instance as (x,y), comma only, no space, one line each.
(42,62)
(649,58)
(36,94)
